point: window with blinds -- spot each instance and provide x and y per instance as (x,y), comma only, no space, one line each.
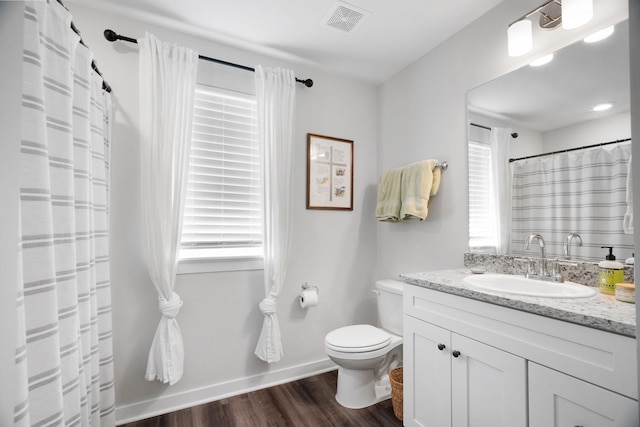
(482,230)
(223,211)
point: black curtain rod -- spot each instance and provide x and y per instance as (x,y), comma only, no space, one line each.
(617,141)
(94,66)
(112,36)
(480,126)
(513,134)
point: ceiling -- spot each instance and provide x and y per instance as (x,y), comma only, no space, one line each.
(564,91)
(390,36)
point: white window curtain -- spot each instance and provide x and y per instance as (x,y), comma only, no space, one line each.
(275,92)
(167,90)
(627,223)
(64,357)
(501,188)
(582,191)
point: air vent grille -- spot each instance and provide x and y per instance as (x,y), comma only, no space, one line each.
(344,19)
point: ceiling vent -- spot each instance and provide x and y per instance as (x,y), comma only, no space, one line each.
(344,18)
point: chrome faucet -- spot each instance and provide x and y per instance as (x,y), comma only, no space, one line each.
(542,270)
(543,273)
(567,244)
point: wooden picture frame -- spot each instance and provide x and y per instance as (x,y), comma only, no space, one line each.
(329,173)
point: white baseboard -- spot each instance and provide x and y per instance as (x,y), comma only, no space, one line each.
(165,404)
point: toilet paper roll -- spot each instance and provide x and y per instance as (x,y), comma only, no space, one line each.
(308,298)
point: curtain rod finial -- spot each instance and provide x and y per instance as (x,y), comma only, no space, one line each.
(110,35)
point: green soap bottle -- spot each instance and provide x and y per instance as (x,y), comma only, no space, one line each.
(610,272)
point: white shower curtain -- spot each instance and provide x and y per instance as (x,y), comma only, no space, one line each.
(501,189)
(64,358)
(167,90)
(275,90)
(582,192)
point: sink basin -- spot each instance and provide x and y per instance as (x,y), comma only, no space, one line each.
(520,285)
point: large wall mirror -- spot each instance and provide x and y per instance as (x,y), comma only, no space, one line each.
(538,112)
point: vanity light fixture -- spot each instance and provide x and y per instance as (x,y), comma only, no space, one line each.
(600,35)
(576,13)
(571,13)
(542,60)
(603,107)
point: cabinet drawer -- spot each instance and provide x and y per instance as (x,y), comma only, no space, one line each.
(602,358)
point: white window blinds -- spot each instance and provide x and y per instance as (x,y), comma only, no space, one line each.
(223,212)
(482,232)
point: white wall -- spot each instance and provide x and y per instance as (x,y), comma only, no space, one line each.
(220,319)
(611,128)
(422,114)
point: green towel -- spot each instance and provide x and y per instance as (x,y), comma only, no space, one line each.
(420,181)
(388,206)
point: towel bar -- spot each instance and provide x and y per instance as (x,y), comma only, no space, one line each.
(442,165)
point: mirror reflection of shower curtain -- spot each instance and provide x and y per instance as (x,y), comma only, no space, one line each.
(582,191)
(501,188)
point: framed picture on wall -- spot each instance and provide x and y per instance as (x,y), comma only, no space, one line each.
(329,173)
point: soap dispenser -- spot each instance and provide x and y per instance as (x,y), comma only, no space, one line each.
(610,272)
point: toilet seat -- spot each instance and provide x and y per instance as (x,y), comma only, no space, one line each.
(357,339)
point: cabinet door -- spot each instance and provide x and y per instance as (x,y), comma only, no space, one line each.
(489,386)
(427,374)
(558,400)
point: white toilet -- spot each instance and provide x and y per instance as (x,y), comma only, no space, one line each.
(365,354)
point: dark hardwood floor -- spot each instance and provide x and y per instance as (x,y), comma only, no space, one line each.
(309,402)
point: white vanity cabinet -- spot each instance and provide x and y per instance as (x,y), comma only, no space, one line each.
(558,400)
(512,368)
(455,379)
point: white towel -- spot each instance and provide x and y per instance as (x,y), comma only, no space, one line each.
(388,205)
(628,216)
(420,181)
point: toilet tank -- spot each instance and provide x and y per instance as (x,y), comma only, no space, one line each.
(390,305)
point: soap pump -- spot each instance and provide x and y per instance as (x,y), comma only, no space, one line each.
(610,272)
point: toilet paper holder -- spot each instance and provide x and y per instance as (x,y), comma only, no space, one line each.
(306,286)
(308,296)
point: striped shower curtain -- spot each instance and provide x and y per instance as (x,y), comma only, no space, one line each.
(582,192)
(64,364)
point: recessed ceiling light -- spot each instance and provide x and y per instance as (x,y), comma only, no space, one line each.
(542,60)
(599,35)
(602,107)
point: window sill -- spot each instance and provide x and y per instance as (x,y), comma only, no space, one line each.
(195,261)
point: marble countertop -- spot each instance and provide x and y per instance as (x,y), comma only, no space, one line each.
(601,311)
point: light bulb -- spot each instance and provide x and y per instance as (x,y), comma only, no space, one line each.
(520,38)
(576,13)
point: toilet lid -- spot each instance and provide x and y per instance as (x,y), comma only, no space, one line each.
(357,339)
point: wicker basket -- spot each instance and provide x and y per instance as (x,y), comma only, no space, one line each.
(395,376)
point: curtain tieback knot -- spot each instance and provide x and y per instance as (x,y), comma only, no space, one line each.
(268,305)
(170,307)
